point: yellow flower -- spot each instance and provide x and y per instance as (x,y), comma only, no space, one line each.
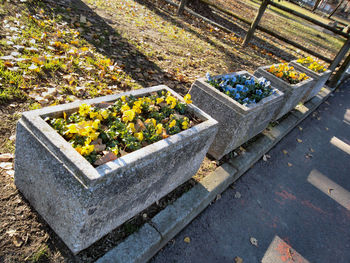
(187,98)
(115,150)
(128,115)
(139,136)
(104,113)
(78,149)
(184,125)
(72,128)
(84,109)
(172,123)
(159,128)
(93,114)
(137,107)
(123,98)
(170,100)
(159,100)
(152,120)
(95,124)
(125,107)
(279,74)
(87,149)
(131,127)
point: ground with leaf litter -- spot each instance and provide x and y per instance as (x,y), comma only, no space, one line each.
(54,52)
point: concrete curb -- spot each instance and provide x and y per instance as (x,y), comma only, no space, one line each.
(145,243)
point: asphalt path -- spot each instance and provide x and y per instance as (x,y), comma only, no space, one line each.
(294,207)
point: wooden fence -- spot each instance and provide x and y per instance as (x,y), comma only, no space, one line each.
(334,63)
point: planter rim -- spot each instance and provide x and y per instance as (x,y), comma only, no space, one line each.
(80,167)
(293,86)
(230,101)
(309,71)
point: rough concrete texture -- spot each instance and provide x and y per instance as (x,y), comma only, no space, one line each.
(237,123)
(297,213)
(318,82)
(293,94)
(137,248)
(82,203)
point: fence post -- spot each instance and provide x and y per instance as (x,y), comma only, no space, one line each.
(341,54)
(256,21)
(181,8)
(339,75)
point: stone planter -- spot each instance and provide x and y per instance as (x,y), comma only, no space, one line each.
(237,123)
(293,93)
(318,82)
(82,203)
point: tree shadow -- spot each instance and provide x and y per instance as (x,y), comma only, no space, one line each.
(134,62)
(207,12)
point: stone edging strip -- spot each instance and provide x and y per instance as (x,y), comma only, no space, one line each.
(152,236)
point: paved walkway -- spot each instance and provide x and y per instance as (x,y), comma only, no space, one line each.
(296,205)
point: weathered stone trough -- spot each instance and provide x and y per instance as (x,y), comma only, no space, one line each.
(293,93)
(82,203)
(318,82)
(237,123)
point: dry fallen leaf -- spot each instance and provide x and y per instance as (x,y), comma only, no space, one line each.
(6,166)
(300,128)
(299,140)
(218,197)
(254,241)
(238,195)
(6,157)
(264,158)
(312,150)
(187,240)
(109,156)
(330,190)
(289,164)
(285,151)
(17,241)
(238,260)
(326,128)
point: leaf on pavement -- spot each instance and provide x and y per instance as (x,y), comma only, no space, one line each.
(254,241)
(187,240)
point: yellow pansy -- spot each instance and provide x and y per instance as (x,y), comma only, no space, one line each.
(78,149)
(123,98)
(170,100)
(172,123)
(104,113)
(84,109)
(115,150)
(139,135)
(184,125)
(159,128)
(93,114)
(128,115)
(159,100)
(96,124)
(125,107)
(187,98)
(137,107)
(87,149)
(72,128)
(131,127)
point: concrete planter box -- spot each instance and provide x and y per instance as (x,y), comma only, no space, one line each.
(293,93)
(82,203)
(319,79)
(237,123)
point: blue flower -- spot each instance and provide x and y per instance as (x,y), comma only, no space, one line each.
(237,96)
(208,76)
(246,100)
(239,87)
(274,92)
(252,81)
(245,89)
(258,91)
(230,89)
